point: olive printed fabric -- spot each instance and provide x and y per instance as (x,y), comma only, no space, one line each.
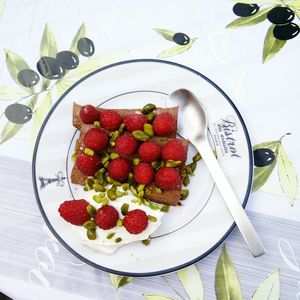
(248,48)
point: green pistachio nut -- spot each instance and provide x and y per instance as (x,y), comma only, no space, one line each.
(89,151)
(172,163)
(184,194)
(150,116)
(140,135)
(91,210)
(197,157)
(90,224)
(124,208)
(148,129)
(91,234)
(148,108)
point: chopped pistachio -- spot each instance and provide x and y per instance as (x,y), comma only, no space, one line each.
(133,190)
(98,198)
(91,234)
(124,208)
(110,235)
(125,186)
(141,194)
(193,166)
(91,210)
(155,165)
(104,201)
(138,201)
(140,135)
(184,194)
(89,182)
(172,163)
(152,218)
(126,193)
(119,223)
(89,151)
(136,161)
(197,157)
(189,169)
(98,187)
(119,193)
(186,181)
(90,224)
(111,194)
(105,157)
(112,143)
(145,202)
(158,190)
(97,123)
(146,242)
(140,187)
(118,240)
(165,208)
(74,156)
(148,108)
(130,179)
(154,206)
(147,191)
(114,188)
(106,165)
(148,129)
(150,116)
(114,155)
(121,127)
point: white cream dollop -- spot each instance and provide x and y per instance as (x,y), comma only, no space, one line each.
(105,245)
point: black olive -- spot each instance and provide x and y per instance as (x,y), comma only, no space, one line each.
(85,46)
(18,113)
(281,15)
(286,32)
(67,59)
(50,68)
(28,77)
(181,38)
(263,157)
(245,10)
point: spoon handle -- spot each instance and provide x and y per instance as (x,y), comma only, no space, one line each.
(238,213)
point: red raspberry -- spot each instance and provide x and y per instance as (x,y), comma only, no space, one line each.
(88,164)
(168,178)
(74,211)
(164,124)
(88,114)
(135,122)
(143,173)
(110,119)
(126,144)
(107,217)
(119,169)
(174,150)
(96,139)
(135,221)
(149,151)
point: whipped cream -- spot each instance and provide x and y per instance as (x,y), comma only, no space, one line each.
(105,245)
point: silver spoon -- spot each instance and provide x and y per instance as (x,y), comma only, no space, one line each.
(195,129)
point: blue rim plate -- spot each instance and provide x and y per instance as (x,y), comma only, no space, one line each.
(187,233)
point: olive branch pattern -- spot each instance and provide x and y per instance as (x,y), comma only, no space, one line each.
(182,42)
(266,156)
(227,283)
(33,97)
(281,14)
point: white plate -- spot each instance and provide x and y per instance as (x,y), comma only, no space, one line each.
(187,233)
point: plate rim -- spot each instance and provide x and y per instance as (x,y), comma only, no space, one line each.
(160,272)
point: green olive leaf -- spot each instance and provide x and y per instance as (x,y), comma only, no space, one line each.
(271,45)
(269,288)
(119,281)
(157,297)
(167,34)
(62,86)
(95,63)
(40,114)
(287,175)
(15,64)
(48,45)
(11,129)
(79,34)
(178,49)
(192,282)
(2,6)
(12,93)
(268,145)
(259,17)
(261,175)
(227,284)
